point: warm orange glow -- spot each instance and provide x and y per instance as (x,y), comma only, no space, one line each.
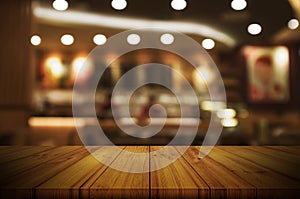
(55,66)
(55,122)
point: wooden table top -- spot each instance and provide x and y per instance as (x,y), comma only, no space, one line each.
(227,172)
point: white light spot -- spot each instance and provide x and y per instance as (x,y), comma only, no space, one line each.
(281,56)
(35,40)
(167,39)
(55,66)
(254,29)
(77,64)
(99,39)
(119,4)
(293,24)
(229,122)
(238,4)
(133,39)
(67,39)
(178,4)
(208,44)
(226,113)
(60,5)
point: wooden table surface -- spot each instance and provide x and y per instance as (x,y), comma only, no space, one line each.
(227,172)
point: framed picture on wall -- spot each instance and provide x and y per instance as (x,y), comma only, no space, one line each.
(267,74)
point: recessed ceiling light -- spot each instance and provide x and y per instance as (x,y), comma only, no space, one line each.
(178,4)
(60,5)
(35,40)
(238,4)
(133,39)
(67,39)
(254,29)
(167,39)
(208,44)
(99,39)
(293,24)
(123,22)
(119,4)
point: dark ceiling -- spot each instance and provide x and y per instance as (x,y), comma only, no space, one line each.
(273,15)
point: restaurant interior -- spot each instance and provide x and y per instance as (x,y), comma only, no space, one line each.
(47,49)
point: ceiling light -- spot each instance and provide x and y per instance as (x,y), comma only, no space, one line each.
(254,29)
(35,40)
(178,4)
(119,4)
(99,39)
(293,24)
(60,5)
(229,122)
(67,39)
(208,44)
(133,39)
(238,4)
(167,39)
(122,22)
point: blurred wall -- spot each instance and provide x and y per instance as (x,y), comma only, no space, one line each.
(15,69)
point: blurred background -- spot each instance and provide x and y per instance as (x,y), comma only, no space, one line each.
(254,43)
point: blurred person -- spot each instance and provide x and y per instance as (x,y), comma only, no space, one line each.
(263,86)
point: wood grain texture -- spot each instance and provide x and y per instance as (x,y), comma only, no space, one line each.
(116,184)
(269,184)
(290,150)
(286,157)
(27,174)
(23,164)
(75,177)
(223,182)
(11,154)
(177,180)
(72,172)
(268,160)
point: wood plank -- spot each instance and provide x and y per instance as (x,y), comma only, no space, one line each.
(288,149)
(278,165)
(178,180)
(67,183)
(14,153)
(116,184)
(222,182)
(8,149)
(22,185)
(288,158)
(227,172)
(268,183)
(18,166)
